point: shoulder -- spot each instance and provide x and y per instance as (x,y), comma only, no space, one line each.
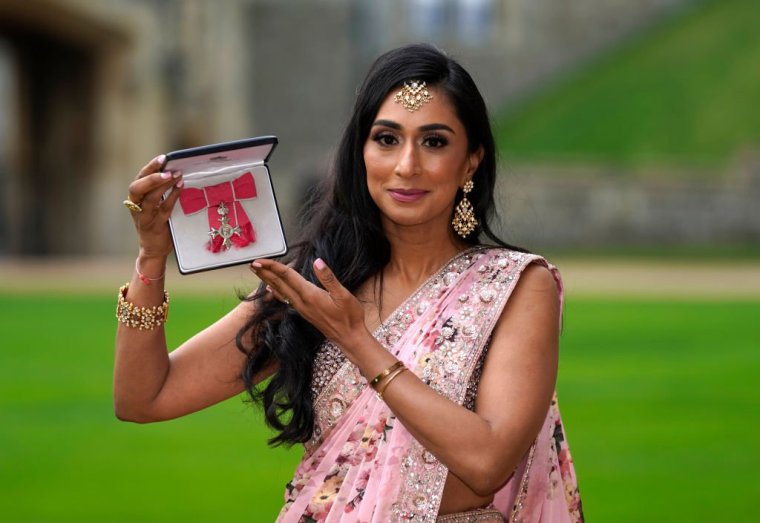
(538,276)
(521,264)
(530,279)
(533,307)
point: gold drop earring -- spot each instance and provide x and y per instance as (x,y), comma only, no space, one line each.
(464,221)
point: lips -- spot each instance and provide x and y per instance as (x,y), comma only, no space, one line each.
(407,195)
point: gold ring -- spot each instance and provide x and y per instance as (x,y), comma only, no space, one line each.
(132,206)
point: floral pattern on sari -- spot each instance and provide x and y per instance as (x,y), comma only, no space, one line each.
(361,464)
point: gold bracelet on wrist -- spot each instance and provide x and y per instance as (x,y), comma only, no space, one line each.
(143,318)
(388,381)
(385,373)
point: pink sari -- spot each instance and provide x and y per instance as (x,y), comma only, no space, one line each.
(362,465)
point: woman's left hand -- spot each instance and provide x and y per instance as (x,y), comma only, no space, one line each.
(333,310)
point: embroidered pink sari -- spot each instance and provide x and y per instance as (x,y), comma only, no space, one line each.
(362,465)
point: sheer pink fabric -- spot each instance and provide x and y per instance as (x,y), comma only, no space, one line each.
(362,465)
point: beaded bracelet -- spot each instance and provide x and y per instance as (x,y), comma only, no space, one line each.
(385,373)
(388,381)
(143,318)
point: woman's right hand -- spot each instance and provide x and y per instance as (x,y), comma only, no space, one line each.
(151,224)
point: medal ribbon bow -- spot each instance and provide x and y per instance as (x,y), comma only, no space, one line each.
(225,212)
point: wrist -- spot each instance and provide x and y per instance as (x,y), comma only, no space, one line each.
(356,342)
(364,351)
(150,267)
(152,247)
(152,259)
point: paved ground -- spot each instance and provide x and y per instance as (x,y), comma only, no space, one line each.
(636,278)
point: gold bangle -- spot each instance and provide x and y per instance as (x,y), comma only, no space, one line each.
(383,374)
(389,380)
(143,318)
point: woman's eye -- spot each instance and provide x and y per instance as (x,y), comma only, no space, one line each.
(385,139)
(435,141)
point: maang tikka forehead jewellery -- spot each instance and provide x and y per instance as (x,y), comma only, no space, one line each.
(412,95)
(464,221)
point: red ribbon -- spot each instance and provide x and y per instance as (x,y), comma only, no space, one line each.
(193,200)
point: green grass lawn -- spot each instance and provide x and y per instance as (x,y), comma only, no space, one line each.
(685,92)
(658,398)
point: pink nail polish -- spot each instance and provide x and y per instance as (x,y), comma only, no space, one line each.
(180,183)
(319,264)
(256,265)
(166,175)
(160,159)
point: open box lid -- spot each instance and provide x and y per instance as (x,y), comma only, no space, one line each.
(209,158)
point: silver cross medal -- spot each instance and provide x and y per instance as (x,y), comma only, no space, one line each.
(225,230)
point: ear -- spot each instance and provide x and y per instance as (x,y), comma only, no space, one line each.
(473,161)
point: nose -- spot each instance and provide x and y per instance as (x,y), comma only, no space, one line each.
(408,160)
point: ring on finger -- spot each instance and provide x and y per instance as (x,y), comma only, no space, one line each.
(132,206)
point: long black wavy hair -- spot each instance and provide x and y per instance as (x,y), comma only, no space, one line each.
(341,224)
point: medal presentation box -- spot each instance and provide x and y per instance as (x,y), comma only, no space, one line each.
(227,212)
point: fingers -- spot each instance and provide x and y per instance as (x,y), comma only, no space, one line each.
(326,277)
(332,285)
(332,310)
(150,188)
(277,295)
(285,283)
(152,166)
(168,204)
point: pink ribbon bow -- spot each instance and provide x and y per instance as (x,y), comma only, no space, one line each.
(218,199)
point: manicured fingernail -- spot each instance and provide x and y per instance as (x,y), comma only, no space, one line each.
(256,265)
(319,264)
(177,174)
(180,183)
(166,175)
(269,289)
(161,158)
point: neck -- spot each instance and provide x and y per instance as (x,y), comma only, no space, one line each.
(416,253)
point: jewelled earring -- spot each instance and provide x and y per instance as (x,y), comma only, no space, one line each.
(464,221)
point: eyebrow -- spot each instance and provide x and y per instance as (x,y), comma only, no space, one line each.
(423,128)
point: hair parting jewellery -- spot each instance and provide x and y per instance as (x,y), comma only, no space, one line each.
(413,95)
(464,221)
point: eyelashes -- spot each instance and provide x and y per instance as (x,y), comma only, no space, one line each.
(432,140)
(435,140)
(384,138)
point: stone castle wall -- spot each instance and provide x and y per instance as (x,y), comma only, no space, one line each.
(560,206)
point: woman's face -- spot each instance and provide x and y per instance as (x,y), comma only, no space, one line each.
(416,161)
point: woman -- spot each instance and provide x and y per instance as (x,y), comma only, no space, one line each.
(415,364)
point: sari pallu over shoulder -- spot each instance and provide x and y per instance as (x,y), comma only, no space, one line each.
(362,465)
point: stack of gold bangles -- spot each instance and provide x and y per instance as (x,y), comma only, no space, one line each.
(382,380)
(143,318)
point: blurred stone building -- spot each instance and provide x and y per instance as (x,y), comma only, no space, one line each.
(90,90)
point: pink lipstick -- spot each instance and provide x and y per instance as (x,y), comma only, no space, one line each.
(407,195)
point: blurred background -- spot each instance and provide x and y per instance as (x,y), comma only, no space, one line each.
(629,137)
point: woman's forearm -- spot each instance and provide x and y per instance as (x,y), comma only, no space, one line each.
(459,438)
(141,361)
